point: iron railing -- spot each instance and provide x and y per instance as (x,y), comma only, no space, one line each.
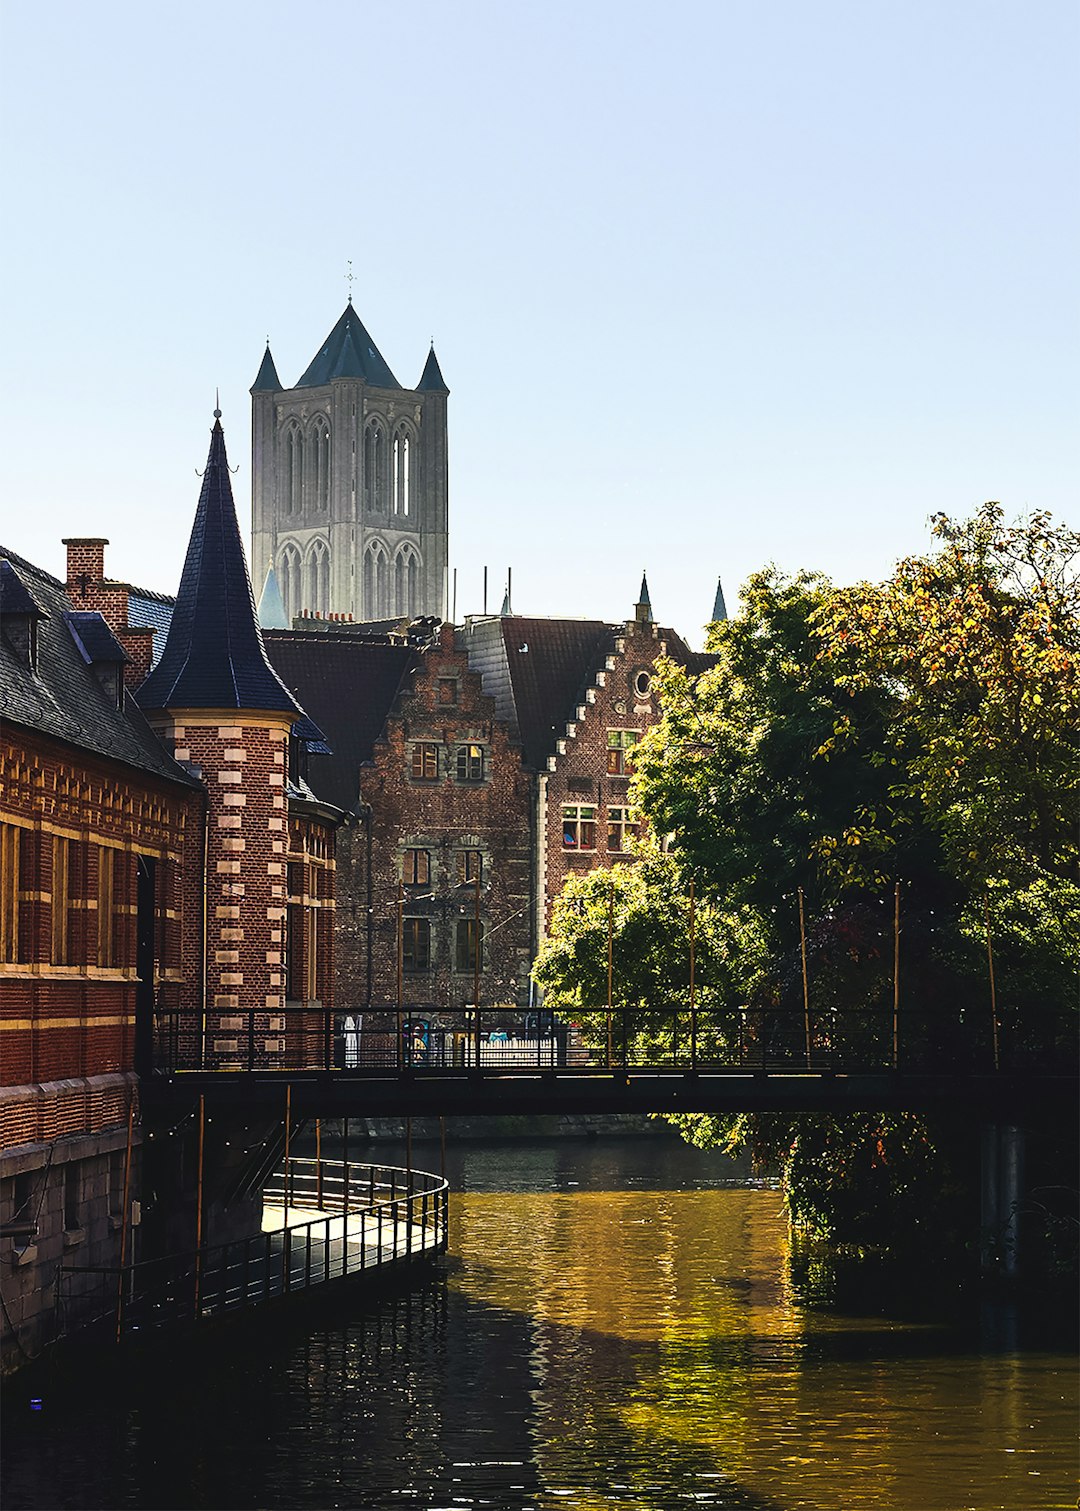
(366,1217)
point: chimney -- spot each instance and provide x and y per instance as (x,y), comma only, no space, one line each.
(85,567)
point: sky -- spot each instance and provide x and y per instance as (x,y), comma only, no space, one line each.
(712,284)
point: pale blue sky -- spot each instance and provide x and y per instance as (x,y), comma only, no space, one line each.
(711,284)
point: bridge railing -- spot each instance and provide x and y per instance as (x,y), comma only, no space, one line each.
(960,1038)
(362,1217)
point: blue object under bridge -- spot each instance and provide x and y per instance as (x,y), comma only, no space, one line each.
(501,1061)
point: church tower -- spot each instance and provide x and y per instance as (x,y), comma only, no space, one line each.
(349,482)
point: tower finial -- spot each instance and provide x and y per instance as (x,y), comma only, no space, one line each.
(349,278)
(217,403)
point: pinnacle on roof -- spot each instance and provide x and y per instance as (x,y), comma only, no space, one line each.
(431,379)
(214,655)
(272,615)
(348,352)
(266,379)
(643,598)
(719,610)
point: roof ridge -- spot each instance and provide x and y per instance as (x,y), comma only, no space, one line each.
(21,561)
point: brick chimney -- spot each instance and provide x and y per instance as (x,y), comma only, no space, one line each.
(86,585)
(139,645)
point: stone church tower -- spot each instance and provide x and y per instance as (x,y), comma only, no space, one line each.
(349,483)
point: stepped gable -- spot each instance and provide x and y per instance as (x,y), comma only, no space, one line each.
(347,685)
(551,662)
(59,695)
(214,655)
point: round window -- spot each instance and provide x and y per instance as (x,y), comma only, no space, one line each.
(642,684)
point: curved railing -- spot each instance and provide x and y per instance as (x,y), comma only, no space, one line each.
(363,1217)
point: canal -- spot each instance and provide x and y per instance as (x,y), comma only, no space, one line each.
(616,1326)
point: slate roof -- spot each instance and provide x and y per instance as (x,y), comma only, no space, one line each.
(348,686)
(266,379)
(151,611)
(272,615)
(348,352)
(719,610)
(431,379)
(551,662)
(62,698)
(93,637)
(214,656)
(15,598)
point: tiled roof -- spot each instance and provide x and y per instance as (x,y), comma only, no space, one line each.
(151,611)
(431,379)
(348,352)
(214,656)
(266,379)
(15,598)
(94,638)
(63,698)
(348,686)
(551,662)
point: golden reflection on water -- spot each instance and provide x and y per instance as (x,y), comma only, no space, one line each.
(668,1344)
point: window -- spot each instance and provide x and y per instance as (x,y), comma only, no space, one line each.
(470,865)
(470,763)
(619,828)
(470,932)
(415,944)
(61,899)
(425,763)
(447,691)
(620,751)
(376,581)
(294,469)
(579,828)
(406,581)
(416,868)
(400,469)
(9,893)
(374,462)
(320,439)
(106,905)
(642,684)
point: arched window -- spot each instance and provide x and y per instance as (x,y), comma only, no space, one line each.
(317,578)
(320,461)
(376,604)
(288,574)
(294,469)
(407,582)
(401,479)
(374,465)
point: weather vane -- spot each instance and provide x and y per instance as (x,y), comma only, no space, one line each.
(349,278)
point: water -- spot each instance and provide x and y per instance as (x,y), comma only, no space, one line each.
(616,1327)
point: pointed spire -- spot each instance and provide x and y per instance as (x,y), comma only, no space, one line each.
(348,352)
(643,606)
(719,608)
(272,614)
(214,656)
(506,609)
(431,379)
(266,379)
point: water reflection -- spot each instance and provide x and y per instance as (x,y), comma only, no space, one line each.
(616,1328)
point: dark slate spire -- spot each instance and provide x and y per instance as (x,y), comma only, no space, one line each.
(431,379)
(266,379)
(348,352)
(643,605)
(214,656)
(719,609)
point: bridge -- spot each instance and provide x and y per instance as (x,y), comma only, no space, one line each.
(663,1059)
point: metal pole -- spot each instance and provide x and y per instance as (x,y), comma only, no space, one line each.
(442,1147)
(199,1203)
(400,953)
(693,1004)
(993,987)
(408,1151)
(288,1126)
(610,962)
(125,1216)
(345,1170)
(318,1163)
(805,984)
(896,982)
(476,964)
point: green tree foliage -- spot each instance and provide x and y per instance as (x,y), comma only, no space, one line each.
(921,733)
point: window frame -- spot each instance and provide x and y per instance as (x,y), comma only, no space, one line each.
(620,751)
(470,867)
(425,754)
(626,829)
(577,817)
(468,933)
(465,771)
(415,944)
(414,860)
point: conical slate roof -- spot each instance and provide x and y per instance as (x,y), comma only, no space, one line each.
(214,656)
(719,606)
(272,614)
(643,597)
(348,352)
(431,379)
(266,379)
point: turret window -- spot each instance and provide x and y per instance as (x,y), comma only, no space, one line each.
(401,472)
(294,469)
(374,465)
(320,445)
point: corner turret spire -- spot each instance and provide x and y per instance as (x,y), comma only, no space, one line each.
(431,379)
(643,607)
(266,379)
(719,610)
(214,656)
(272,615)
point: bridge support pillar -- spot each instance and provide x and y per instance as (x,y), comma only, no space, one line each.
(1002,1189)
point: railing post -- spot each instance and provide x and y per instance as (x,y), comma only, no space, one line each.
(693,1004)
(199,1205)
(805,982)
(896,982)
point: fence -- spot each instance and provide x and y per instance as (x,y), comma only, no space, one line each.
(368,1217)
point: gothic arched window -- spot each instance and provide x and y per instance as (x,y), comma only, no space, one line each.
(320,462)
(407,581)
(401,467)
(317,578)
(376,603)
(294,469)
(374,465)
(289,580)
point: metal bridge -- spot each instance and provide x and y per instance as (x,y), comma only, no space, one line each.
(662,1059)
